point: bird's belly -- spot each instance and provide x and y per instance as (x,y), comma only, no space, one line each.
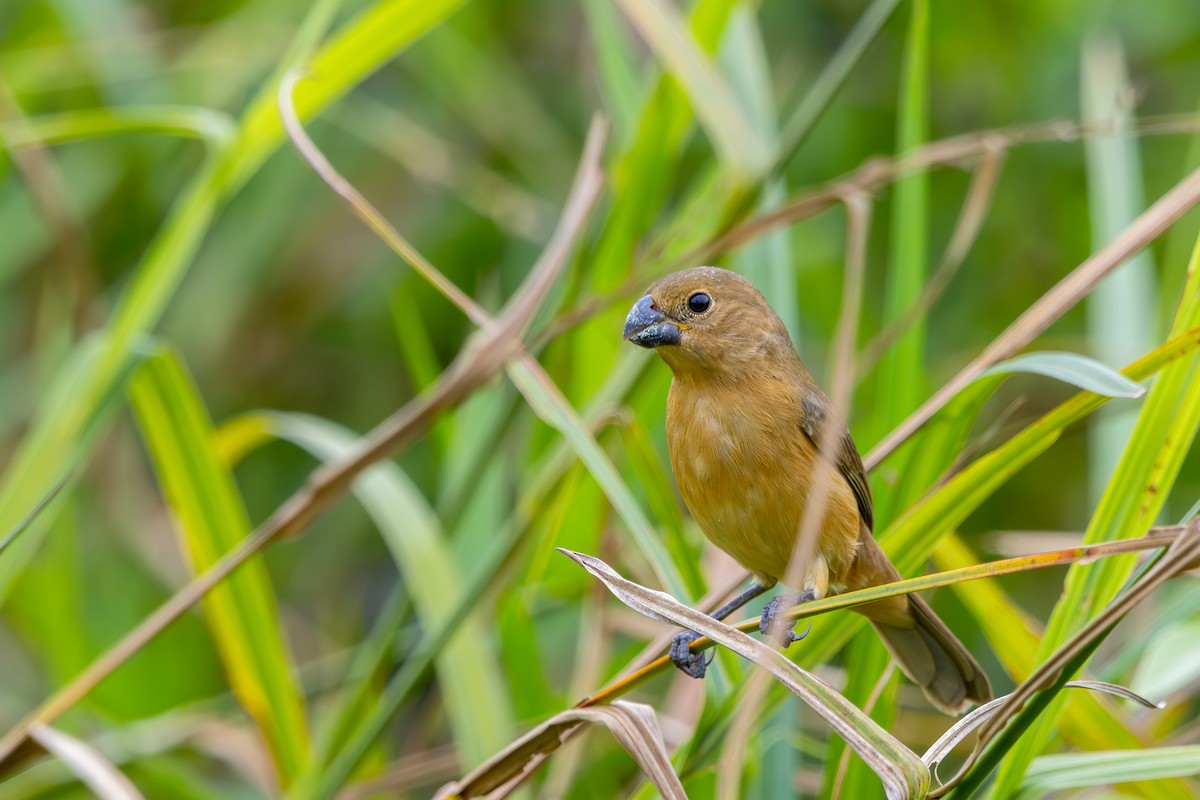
(739,518)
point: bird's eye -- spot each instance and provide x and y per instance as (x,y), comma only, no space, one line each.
(699,302)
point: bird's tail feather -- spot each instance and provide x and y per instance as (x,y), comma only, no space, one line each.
(934,659)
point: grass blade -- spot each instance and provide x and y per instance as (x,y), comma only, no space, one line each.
(735,140)
(29,519)
(900,370)
(641,180)
(475,698)
(1079,371)
(242,613)
(618,71)
(1061,772)
(551,406)
(768,260)
(206,124)
(1121,311)
(818,98)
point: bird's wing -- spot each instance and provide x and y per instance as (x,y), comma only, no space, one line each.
(815,413)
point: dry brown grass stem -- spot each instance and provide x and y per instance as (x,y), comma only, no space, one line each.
(966,231)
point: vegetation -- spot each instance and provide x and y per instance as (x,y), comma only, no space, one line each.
(326,473)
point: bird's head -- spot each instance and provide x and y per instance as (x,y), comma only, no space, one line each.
(708,321)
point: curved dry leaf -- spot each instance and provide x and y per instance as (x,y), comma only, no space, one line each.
(960,730)
(903,774)
(1119,691)
(967,725)
(96,771)
(633,724)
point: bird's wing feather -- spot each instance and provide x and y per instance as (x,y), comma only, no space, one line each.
(814,406)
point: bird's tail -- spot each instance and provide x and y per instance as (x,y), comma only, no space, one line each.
(922,645)
(934,659)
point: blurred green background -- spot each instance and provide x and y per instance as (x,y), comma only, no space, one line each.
(467,140)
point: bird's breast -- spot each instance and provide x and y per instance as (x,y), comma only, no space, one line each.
(744,469)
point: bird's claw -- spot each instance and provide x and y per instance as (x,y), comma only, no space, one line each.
(770,625)
(691,664)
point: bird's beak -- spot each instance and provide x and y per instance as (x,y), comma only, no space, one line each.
(647,327)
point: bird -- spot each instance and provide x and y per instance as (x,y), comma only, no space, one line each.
(748,433)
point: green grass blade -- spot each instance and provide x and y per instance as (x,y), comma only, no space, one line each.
(768,260)
(365,44)
(474,695)
(242,613)
(325,783)
(901,370)
(1059,773)
(725,121)
(942,441)
(618,69)
(33,468)
(212,127)
(1121,311)
(818,98)
(11,536)
(900,382)
(869,659)
(1079,371)
(552,407)
(640,178)
(373,661)
(57,436)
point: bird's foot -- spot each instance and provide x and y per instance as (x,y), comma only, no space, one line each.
(693,664)
(771,625)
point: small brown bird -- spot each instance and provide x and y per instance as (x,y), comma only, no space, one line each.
(743,421)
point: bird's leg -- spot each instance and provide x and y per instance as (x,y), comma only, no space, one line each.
(695,664)
(769,625)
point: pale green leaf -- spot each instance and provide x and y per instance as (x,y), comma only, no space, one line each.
(475,697)
(1059,772)
(1079,371)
